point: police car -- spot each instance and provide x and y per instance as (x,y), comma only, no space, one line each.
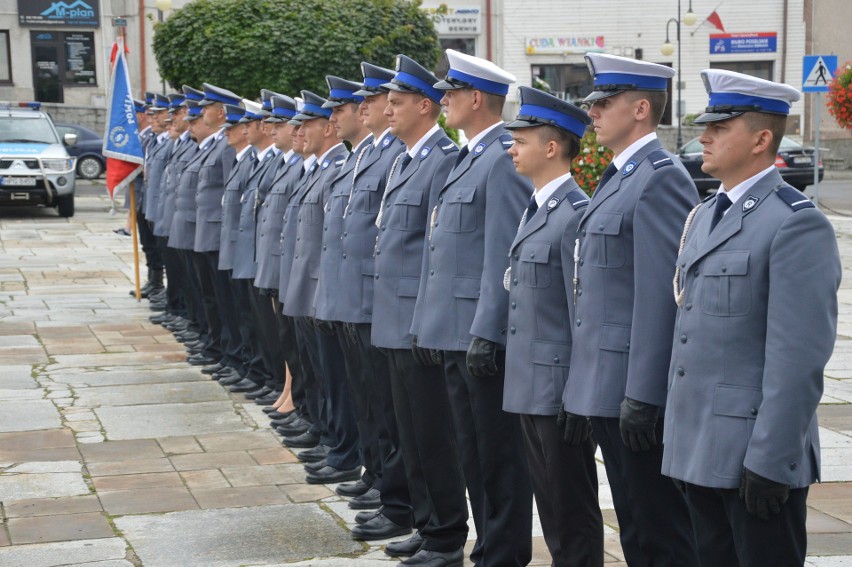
(35,168)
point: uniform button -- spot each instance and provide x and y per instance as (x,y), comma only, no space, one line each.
(383,228)
(724,269)
(440,199)
(431,272)
(628,344)
(431,247)
(579,292)
(600,227)
(753,411)
(683,338)
(579,321)
(689,307)
(344,234)
(584,232)
(793,466)
(516,257)
(695,273)
(512,330)
(555,360)
(323,247)
(378,251)
(325,228)
(296,256)
(514,305)
(515,281)
(683,264)
(377,276)
(680,371)
(532,255)
(436,223)
(344,255)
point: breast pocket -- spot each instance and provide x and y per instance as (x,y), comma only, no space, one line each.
(726,286)
(366,196)
(310,211)
(533,264)
(406,212)
(604,243)
(458,211)
(278,203)
(735,410)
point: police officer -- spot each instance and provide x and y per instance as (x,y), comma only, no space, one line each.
(756,289)
(624,312)
(546,137)
(156,157)
(462,306)
(420,402)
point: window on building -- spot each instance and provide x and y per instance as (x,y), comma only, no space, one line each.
(62,59)
(759,69)
(568,82)
(465,45)
(5,59)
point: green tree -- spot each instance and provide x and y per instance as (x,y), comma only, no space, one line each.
(288,45)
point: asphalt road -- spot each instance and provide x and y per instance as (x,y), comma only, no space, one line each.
(835,196)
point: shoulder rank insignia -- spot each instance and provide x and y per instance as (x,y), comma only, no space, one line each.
(659,158)
(749,203)
(425,152)
(629,168)
(794,199)
(577,199)
(447,145)
(478,149)
(551,204)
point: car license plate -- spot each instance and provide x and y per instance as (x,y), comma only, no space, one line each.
(803,160)
(18,181)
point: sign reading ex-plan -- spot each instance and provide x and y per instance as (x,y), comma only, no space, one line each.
(82,13)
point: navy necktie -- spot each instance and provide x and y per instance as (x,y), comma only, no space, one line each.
(462,153)
(607,174)
(531,208)
(406,159)
(723,203)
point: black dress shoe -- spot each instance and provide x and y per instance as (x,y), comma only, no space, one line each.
(244,385)
(366,516)
(187,336)
(380,527)
(314,467)
(254,394)
(331,475)
(428,558)
(270,411)
(352,489)
(296,428)
(226,372)
(405,548)
(304,441)
(268,399)
(231,380)
(368,501)
(318,453)
(212,369)
(199,360)
(284,421)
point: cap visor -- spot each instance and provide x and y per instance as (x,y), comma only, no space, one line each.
(598,95)
(446,86)
(364,92)
(335,103)
(205,102)
(716,117)
(517,124)
(294,122)
(272,120)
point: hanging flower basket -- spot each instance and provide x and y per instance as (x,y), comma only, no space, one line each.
(840,96)
(589,165)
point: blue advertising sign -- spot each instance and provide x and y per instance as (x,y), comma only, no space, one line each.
(817,72)
(83,13)
(757,42)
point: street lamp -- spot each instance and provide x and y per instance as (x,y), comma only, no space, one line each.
(667,49)
(165,6)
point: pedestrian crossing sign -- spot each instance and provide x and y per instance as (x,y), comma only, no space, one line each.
(817,72)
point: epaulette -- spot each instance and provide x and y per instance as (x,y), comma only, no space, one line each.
(340,161)
(795,199)
(507,140)
(708,197)
(578,199)
(659,158)
(447,145)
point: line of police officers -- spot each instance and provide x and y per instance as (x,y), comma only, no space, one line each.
(394,305)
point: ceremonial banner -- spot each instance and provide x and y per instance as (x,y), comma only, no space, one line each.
(122,146)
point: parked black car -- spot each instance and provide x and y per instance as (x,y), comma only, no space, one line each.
(88,151)
(794,161)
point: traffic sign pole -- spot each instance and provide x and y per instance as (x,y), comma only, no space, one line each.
(816,149)
(817,72)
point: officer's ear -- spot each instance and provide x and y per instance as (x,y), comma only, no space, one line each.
(763,142)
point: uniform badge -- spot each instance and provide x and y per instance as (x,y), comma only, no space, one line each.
(478,149)
(551,204)
(628,169)
(425,152)
(386,142)
(749,203)
(325,164)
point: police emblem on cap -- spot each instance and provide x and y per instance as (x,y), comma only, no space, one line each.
(386,142)
(425,152)
(750,202)
(551,204)
(478,149)
(628,169)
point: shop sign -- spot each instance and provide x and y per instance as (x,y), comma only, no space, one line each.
(567,44)
(757,42)
(455,20)
(81,13)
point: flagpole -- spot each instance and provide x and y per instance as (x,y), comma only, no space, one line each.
(135,238)
(692,33)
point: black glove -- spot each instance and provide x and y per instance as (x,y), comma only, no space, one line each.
(762,495)
(437,356)
(324,327)
(637,423)
(423,356)
(482,358)
(575,428)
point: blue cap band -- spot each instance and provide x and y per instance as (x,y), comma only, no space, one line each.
(343,94)
(564,121)
(419,84)
(216,97)
(374,82)
(193,96)
(316,110)
(139,107)
(479,83)
(193,111)
(283,112)
(627,81)
(233,117)
(737,101)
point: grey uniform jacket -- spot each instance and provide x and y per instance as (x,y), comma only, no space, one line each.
(182,232)
(625,312)
(257,185)
(215,168)
(182,153)
(755,329)
(158,156)
(329,284)
(147,138)
(538,346)
(271,219)
(461,292)
(287,241)
(231,203)
(304,272)
(409,198)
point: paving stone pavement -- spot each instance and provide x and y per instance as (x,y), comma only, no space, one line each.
(115,452)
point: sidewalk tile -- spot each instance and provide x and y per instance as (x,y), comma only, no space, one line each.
(137,481)
(53,506)
(137,466)
(245,496)
(202,479)
(179,445)
(130,450)
(124,502)
(59,528)
(211,460)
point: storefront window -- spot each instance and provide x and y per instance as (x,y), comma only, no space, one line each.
(5,59)
(62,59)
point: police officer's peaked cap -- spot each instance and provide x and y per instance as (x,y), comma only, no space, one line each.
(233,115)
(374,78)
(469,72)
(732,94)
(412,77)
(341,91)
(283,109)
(213,94)
(190,93)
(312,107)
(613,75)
(253,111)
(539,108)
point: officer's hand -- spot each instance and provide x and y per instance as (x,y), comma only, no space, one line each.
(762,495)
(482,358)
(637,423)
(325,327)
(575,428)
(423,356)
